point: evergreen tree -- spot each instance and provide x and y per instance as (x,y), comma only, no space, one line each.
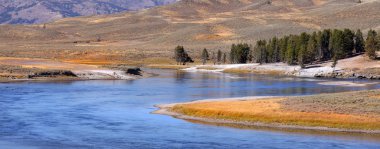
(312,48)
(233,54)
(181,56)
(371,44)
(335,61)
(301,45)
(302,56)
(269,51)
(318,52)
(291,54)
(276,50)
(259,52)
(303,39)
(214,58)
(224,58)
(205,56)
(324,43)
(283,46)
(378,41)
(239,53)
(178,54)
(359,42)
(219,57)
(305,48)
(336,44)
(244,51)
(348,42)
(251,56)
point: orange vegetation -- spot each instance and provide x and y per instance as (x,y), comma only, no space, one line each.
(270,111)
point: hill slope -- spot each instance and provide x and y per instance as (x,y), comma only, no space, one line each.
(196,24)
(40,11)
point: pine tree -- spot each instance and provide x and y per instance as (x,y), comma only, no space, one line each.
(178,54)
(283,46)
(219,57)
(239,53)
(224,58)
(335,61)
(311,50)
(324,45)
(303,39)
(181,56)
(259,52)
(359,42)
(348,42)
(336,44)
(214,58)
(251,56)
(291,50)
(233,54)
(302,56)
(243,52)
(205,56)
(276,50)
(371,44)
(378,41)
(318,52)
(302,43)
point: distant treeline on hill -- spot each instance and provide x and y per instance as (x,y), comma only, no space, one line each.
(302,49)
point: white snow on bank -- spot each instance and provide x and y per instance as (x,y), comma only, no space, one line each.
(312,72)
(278,67)
(103,74)
(218,68)
(282,67)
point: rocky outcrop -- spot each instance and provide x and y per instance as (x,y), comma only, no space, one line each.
(52,73)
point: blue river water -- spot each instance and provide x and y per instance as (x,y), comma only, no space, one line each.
(117,114)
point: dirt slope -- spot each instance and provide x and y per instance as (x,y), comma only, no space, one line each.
(196,24)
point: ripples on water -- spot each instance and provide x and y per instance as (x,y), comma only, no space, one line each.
(116,114)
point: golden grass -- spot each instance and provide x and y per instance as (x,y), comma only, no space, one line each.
(269,72)
(207,68)
(235,70)
(269,111)
(12,75)
(162,66)
(243,71)
(92,62)
(158,60)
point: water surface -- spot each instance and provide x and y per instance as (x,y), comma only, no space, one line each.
(117,114)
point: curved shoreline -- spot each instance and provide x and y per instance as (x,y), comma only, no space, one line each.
(165,109)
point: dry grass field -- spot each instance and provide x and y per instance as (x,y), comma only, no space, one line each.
(213,24)
(352,110)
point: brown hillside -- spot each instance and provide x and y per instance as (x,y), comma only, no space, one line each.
(195,24)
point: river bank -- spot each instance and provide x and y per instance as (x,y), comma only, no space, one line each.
(342,112)
(26,69)
(356,67)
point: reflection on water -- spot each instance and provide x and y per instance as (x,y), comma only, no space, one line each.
(342,135)
(116,114)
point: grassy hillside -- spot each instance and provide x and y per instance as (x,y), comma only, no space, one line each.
(214,24)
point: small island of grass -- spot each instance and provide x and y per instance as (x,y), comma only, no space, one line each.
(349,112)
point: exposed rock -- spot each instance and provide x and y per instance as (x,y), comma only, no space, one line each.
(52,73)
(135,71)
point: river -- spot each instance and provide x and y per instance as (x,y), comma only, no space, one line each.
(117,114)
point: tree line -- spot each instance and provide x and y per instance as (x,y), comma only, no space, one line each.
(302,49)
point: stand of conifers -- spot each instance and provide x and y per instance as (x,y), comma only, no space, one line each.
(302,49)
